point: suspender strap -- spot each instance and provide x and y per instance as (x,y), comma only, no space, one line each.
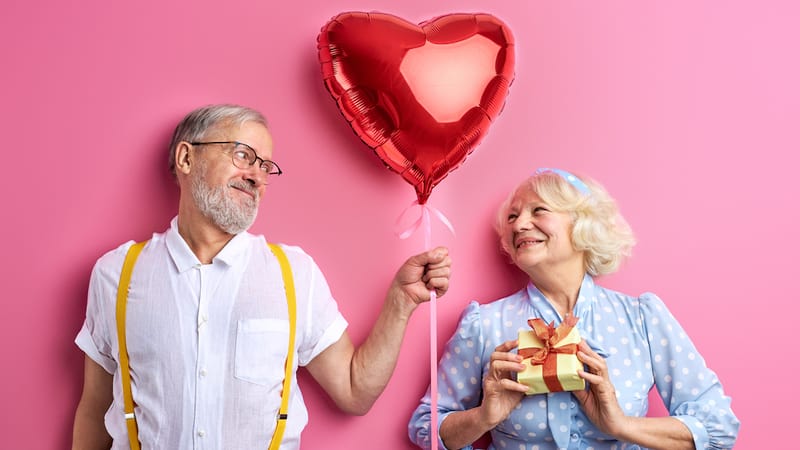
(288,284)
(122,298)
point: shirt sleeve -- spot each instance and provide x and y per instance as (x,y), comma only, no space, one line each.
(690,390)
(322,322)
(460,378)
(94,338)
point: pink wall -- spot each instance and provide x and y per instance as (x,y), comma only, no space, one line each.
(687,111)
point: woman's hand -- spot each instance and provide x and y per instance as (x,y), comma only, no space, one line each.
(501,394)
(599,402)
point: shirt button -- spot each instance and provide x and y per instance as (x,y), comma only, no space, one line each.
(574,436)
(203,372)
(201,433)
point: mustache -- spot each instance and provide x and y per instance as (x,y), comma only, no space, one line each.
(245,186)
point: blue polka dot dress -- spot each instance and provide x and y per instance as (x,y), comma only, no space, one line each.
(644,347)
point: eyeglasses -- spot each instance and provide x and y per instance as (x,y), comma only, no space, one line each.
(244,156)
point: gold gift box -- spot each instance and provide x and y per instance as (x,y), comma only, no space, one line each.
(567,365)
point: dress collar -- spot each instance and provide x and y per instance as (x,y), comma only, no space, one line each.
(548,312)
(587,299)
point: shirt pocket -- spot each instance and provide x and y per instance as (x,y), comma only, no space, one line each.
(261,346)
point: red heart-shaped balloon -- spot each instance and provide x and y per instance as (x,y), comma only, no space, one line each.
(422,96)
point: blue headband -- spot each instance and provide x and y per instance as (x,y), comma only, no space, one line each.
(570,178)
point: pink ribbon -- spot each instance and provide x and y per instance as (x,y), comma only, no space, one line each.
(424,221)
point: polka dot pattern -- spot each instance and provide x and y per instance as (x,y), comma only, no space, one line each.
(644,347)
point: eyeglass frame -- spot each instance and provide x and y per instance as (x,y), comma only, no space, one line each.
(255,156)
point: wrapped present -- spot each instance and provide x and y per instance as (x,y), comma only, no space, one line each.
(550,360)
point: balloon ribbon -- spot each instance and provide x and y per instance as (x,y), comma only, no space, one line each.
(424,221)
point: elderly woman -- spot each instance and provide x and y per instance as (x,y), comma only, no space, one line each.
(563,230)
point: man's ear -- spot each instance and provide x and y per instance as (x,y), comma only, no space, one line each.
(182,162)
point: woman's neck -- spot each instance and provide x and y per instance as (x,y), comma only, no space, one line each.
(560,288)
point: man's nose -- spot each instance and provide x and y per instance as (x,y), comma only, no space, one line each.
(255,176)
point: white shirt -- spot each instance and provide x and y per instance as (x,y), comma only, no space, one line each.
(207,343)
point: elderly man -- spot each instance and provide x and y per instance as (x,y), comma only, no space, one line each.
(195,353)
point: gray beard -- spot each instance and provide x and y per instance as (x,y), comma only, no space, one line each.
(217,204)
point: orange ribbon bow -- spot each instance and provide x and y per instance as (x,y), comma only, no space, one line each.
(546,355)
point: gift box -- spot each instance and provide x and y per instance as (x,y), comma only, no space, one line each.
(550,360)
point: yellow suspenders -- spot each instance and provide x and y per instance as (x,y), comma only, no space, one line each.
(288,284)
(122,298)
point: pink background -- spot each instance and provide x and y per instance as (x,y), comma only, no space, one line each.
(686,110)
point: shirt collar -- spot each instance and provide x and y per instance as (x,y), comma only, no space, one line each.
(184,258)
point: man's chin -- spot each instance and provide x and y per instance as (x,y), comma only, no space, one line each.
(235,227)
(234,230)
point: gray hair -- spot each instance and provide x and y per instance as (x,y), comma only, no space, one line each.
(196,125)
(598,229)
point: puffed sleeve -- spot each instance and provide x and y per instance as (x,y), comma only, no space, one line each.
(690,390)
(460,378)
